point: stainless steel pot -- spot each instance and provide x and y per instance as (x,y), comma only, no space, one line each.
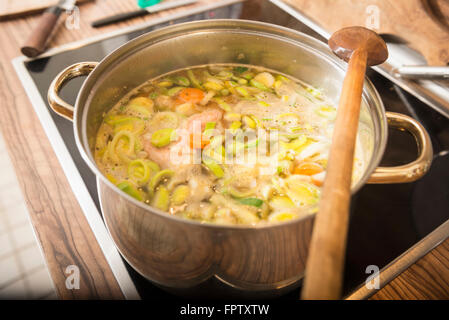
(183,254)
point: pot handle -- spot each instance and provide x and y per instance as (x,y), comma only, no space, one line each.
(58,105)
(411,171)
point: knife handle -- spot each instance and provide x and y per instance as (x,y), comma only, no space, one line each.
(36,42)
(119,17)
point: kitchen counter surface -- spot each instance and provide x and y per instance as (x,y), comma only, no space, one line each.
(61,227)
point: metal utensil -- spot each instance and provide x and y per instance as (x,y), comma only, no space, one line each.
(422,72)
(141,12)
(415,71)
(37,41)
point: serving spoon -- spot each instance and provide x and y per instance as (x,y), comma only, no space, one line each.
(360,47)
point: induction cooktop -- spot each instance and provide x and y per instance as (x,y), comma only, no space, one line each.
(388,222)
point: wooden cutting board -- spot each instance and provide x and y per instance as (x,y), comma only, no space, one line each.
(422,23)
(16,8)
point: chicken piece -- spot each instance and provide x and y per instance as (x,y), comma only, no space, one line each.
(180,151)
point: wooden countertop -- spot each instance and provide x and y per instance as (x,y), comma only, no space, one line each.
(58,221)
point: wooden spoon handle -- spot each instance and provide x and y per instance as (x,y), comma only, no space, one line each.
(36,42)
(324,269)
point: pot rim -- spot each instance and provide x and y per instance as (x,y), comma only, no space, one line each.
(369,94)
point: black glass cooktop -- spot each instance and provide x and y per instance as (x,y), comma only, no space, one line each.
(386,219)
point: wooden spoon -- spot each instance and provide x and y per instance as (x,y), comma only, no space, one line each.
(360,47)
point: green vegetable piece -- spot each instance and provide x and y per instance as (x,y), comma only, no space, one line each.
(239,194)
(281,202)
(282,78)
(159,177)
(327,112)
(141,110)
(240,69)
(315,92)
(180,195)
(173,91)
(165,83)
(225,75)
(235,125)
(161,199)
(214,167)
(226,107)
(301,192)
(165,119)
(265,78)
(139,170)
(250,123)
(255,202)
(284,167)
(153,95)
(193,79)
(127,136)
(182,81)
(127,187)
(210,85)
(116,119)
(210,125)
(162,137)
(209,128)
(242,81)
(230,84)
(258,85)
(232,116)
(263,104)
(248,75)
(134,125)
(242,91)
(295,144)
(290,136)
(153,166)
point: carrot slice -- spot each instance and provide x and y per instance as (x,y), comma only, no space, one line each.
(193,95)
(199,142)
(308,168)
(316,182)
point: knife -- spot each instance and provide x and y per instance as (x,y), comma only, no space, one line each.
(414,72)
(141,12)
(37,41)
(422,72)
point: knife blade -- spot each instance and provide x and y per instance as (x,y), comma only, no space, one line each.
(141,12)
(37,41)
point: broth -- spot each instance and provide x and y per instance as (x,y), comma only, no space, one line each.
(224,144)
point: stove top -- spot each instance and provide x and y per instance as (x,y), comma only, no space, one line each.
(386,221)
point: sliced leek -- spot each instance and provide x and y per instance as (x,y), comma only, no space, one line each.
(162,137)
(161,199)
(160,177)
(131,190)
